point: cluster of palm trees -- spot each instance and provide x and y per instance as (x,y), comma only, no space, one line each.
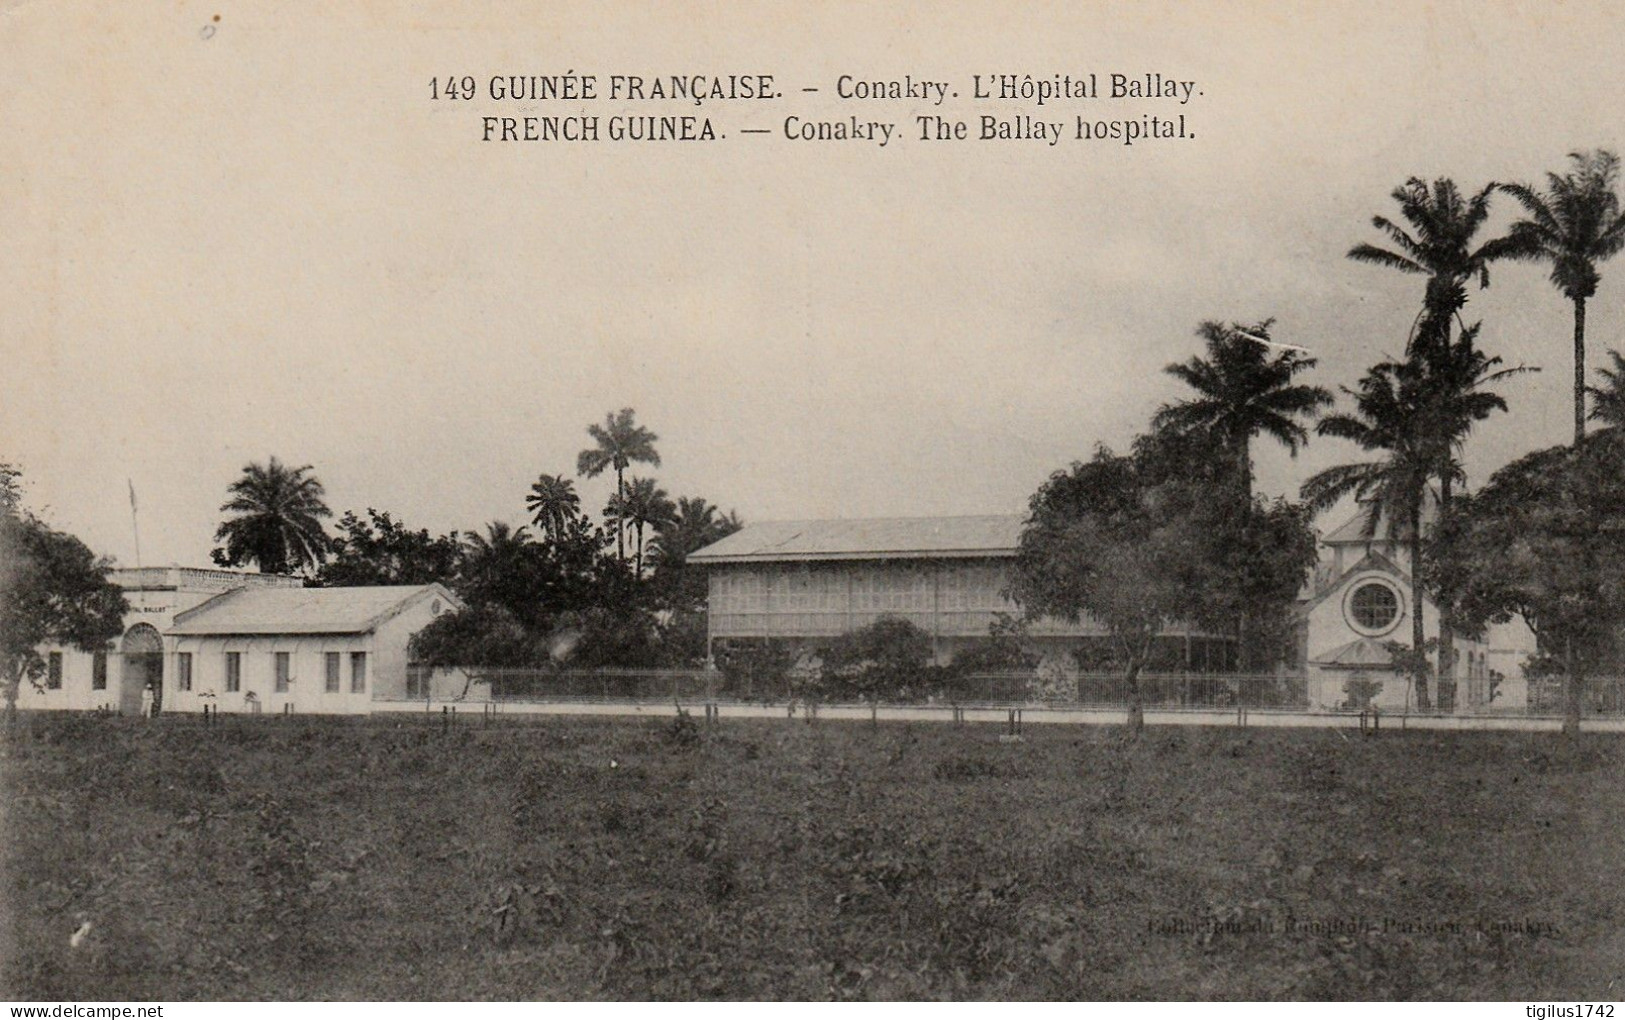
(276,511)
(638,505)
(1413,415)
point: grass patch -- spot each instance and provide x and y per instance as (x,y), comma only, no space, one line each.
(588,858)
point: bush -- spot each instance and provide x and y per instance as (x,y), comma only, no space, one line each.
(754,669)
(889,660)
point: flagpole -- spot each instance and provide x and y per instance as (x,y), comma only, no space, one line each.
(135,524)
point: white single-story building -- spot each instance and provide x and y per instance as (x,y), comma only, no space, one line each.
(116,678)
(322,650)
(243,642)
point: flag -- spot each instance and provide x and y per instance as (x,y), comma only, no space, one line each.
(132,494)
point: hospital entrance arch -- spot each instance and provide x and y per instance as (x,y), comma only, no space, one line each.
(143,653)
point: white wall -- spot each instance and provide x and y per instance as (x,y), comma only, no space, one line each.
(157,608)
(306,692)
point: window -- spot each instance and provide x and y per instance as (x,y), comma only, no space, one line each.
(283,672)
(98,672)
(1373,607)
(332,664)
(53,672)
(183,671)
(358,672)
(234,672)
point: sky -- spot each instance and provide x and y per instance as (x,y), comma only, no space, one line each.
(233,231)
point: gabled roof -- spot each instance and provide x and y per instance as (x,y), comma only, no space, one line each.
(1370,561)
(302,610)
(877,538)
(1361,653)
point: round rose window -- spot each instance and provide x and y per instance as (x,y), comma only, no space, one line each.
(1374,607)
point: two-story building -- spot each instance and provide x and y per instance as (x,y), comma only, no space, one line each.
(803,582)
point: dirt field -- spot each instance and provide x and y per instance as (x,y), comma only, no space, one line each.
(601,858)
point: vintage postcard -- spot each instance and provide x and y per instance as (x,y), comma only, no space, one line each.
(830,501)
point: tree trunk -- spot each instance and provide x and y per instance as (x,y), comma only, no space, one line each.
(620,517)
(1244,496)
(1418,632)
(1579,370)
(1447,629)
(1136,704)
(1572,685)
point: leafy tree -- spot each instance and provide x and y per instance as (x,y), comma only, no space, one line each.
(1439,244)
(381,550)
(1001,652)
(887,659)
(1545,539)
(554,504)
(277,522)
(754,668)
(479,635)
(1137,543)
(53,591)
(11,489)
(1575,224)
(1243,390)
(619,443)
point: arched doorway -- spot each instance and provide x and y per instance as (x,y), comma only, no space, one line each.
(143,653)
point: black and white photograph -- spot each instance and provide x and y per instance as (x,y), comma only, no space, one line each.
(847,501)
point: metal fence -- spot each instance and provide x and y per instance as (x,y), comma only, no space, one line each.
(1018,689)
(1287,692)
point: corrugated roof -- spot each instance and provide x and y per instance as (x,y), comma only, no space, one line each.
(873,538)
(300,610)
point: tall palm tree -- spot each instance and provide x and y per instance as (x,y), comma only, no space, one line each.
(277,522)
(620,442)
(1244,388)
(644,505)
(1608,400)
(554,504)
(1574,225)
(1439,245)
(1454,378)
(1392,489)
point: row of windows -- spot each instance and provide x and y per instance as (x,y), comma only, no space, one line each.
(282,672)
(282,665)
